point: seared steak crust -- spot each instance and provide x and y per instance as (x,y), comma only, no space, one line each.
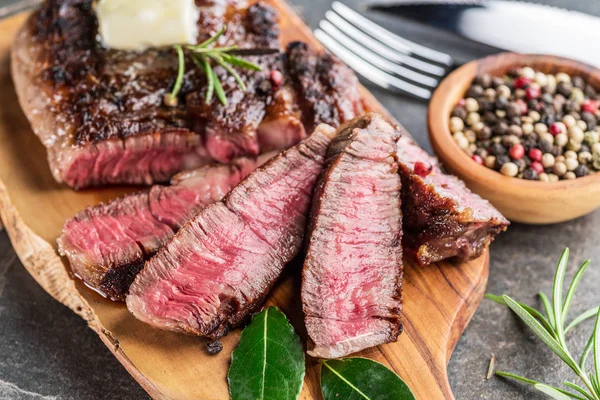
(352,276)
(442,217)
(327,89)
(108,244)
(220,266)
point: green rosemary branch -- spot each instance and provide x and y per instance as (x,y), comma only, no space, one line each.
(551,330)
(226,57)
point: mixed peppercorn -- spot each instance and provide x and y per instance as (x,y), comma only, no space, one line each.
(530,125)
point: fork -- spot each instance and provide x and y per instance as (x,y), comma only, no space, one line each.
(380,56)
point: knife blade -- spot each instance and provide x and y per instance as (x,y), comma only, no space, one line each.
(516,26)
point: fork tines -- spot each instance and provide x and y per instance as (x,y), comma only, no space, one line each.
(381,56)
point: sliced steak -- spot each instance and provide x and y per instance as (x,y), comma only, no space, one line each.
(352,277)
(220,266)
(108,244)
(442,217)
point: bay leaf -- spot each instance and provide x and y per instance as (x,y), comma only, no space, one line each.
(268,363)
(361,379)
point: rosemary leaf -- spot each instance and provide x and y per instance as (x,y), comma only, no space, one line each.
(557,303)
(535,313)
(210,80)
(541,332)
(516,377)
(205,50)
(586,352)
(555,393)
(547,308)
(240,62)
(579,319)
(219,60)
(219,89)
(180,72)
(579,389)
(572,289)
(212,39)
(596,335)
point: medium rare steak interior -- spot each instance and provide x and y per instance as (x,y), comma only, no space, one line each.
(220,266)
(108,244)
(442,217)
(101,115)
(352,277)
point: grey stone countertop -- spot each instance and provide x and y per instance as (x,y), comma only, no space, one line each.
(47,352)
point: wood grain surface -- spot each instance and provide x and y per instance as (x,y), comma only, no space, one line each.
(439,300)
(520,200)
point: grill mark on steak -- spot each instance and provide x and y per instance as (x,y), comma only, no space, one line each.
(221,265)
(442,217)
(352,276)
(108,244)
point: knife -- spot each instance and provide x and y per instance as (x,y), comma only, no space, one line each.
(516,26)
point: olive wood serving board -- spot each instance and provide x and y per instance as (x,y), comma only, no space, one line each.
(439,300)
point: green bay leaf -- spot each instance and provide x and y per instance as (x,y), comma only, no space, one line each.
(361,379)
(268,363)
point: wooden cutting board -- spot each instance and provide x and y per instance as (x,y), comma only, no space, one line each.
(439,300)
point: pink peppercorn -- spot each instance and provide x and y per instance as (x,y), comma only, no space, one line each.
(521,82)
(590,106)
(537,167)
(422,169)
(276,77)
(535,154)
(461,103)
(532,92)
(477,159)
(516,152)
(555,129)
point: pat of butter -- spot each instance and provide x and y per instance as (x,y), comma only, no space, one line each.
(139,24)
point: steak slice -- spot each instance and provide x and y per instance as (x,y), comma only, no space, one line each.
(107,245)
(352,277)
(442,217)
(220,266)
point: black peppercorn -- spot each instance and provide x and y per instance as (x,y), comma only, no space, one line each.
(589,119)
(500,128)
(497,149)
(513,110)
(484,80)
(475,91)
(571,106)
(545,146)
(547,98)
(497,81)
(564,88)
(548,119)
(485,133)
(585,147)
(515,130)
(501,160)
(590,91)
(581,170)
(490,118)
(501,103)
(530,174)
(214,347)
(578,82)
(459,112)
(529,144)
(484,144)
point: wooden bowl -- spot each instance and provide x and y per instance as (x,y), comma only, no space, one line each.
(519,200)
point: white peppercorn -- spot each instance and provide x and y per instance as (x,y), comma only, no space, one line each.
(528,72)
(561,139)
(547,137)
(548,160)
(584,157)
(596,148)
(574,145)
(540,128)
(527,128)
(570,175)
(571,164)
(456,124)
(563,77)
(582,125)
(541,79)
(474,118)
(544,177)
(570,154)
(509,169)
(560,168)
(470,135)
(553,178)
(535,116)
(471,104)
(503,91)
(490,161)
(569,120)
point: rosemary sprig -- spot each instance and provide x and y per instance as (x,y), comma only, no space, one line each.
(226,57)
(551,330)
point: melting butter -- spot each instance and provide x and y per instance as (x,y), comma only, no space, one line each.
(139,24)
